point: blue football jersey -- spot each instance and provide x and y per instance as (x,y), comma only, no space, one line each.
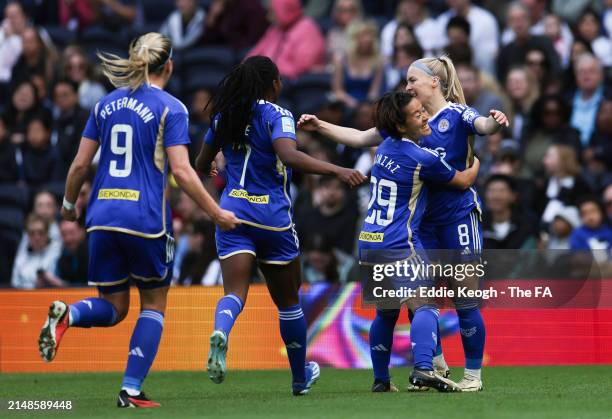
(584,238)
(257,188)
(133,129)
(399,194)
(452,136)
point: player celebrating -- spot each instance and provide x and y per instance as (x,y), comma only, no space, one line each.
(258,141)
(397,204)
(452,220)
(139,128)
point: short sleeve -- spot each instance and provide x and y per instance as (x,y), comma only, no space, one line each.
(435,169)
(176,129)
(282,126)
(468,117)
(91,130)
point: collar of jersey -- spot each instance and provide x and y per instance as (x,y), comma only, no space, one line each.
(440,111)
(155,86)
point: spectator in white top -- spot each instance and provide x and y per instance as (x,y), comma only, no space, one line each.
(13,25)
(589,29)
(37,257)
(426,29)
(185,25)
(484,32)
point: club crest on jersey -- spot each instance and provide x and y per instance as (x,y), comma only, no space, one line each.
(443,125)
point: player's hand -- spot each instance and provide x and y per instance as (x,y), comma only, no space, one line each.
(309,122)
(351,176)
(69,215)
(226,220)
(499,117)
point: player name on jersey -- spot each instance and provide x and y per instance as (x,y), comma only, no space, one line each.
(386,162)
(127,103)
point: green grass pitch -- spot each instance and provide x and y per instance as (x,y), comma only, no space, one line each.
(510,392)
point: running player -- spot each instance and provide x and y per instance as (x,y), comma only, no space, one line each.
(397,205)
(257,138)
(139,128)
(452,220)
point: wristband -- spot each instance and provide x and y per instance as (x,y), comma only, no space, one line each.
(67,205)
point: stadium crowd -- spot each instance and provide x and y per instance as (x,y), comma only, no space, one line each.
(546,182)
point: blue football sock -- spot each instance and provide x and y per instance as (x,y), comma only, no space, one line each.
(228,309)
(143,348)
(439,343)
(423,334)
(293,332)
(472,328)
(381,342)
(96,312)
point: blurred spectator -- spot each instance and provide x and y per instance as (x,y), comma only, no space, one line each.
(559,34)
(40,163)
(503,225)
(607,199)
(607,18)
(199,121)
(184,26)
(564,222)
(484,32)
(36,59)
(601,141)
(78,69)
(589,92)
(595,233)
(458,31)
(75,14)
(71,268)
(565,185)
(323,263)
(24,105)
(476,96)
(426,29)
(318,9)
(115,15)
(334,213)
(404,35)
(548,125)
(344,13)
(515,52)
(237,24)
(68,124)
(8,160)
(571,10)
(537,62)
(523,91)
(396,70)
(38,256)
(589,29)
(14,24)
(294,41)
(358,76)
(200,263)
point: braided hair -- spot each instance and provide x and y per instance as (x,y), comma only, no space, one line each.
(237,96)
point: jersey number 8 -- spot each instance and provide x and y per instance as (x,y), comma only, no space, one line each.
(376,216)
(125,150)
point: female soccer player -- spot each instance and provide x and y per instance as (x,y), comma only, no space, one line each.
(258,141)
(139,129)
(452,220)
(391,229)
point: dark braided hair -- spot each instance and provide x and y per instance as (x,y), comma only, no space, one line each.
(389,112)
(236,98)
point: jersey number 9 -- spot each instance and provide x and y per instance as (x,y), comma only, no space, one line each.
(125,150)
(376,215)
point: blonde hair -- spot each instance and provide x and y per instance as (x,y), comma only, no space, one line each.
(148,54)
(353,31)
(443,68)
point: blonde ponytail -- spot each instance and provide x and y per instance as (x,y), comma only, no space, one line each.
(148,54)
(443,68)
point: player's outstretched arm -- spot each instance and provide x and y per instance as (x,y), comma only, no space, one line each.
(492,124)
(187,178)
(343,135)
(76,176)
(286,150)
(465,179)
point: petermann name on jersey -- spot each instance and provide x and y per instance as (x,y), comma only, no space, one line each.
(385,162)
(254,199)
(127,103)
